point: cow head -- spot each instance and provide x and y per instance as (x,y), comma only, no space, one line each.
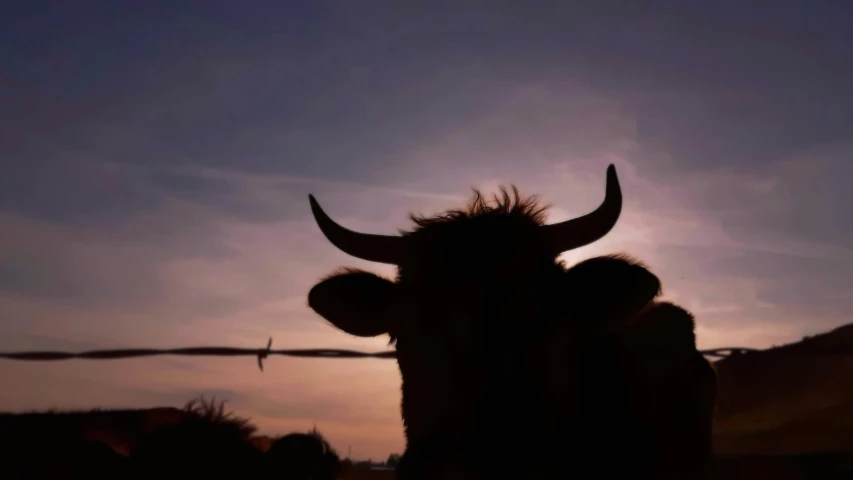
(503,351)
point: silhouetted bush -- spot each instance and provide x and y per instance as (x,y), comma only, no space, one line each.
(210,412)
(204,441)
(302,456)
(393,460)
(209,443)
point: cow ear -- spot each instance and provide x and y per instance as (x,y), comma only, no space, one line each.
(608,290)
(355,301)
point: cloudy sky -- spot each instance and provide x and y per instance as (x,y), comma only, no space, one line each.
(157,156)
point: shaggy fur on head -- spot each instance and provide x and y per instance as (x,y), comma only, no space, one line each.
(504,206)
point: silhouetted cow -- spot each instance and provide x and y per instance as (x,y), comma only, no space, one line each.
(515,366)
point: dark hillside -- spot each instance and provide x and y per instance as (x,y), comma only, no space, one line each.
(796,398)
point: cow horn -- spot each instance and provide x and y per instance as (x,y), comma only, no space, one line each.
(366,246)
(592,226)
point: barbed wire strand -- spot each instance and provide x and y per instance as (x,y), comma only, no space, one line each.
(260,354)
(263,353)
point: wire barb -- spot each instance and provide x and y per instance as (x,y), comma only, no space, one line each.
(263,355)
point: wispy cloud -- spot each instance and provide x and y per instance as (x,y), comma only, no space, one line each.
(273,182)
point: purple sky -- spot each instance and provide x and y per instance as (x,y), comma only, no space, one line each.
(157,158)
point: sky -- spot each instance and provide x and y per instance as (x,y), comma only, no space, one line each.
(157,157)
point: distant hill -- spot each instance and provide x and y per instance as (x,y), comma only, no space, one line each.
(793,399)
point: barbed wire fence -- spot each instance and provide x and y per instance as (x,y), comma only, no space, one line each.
(263,353)
(260,353)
